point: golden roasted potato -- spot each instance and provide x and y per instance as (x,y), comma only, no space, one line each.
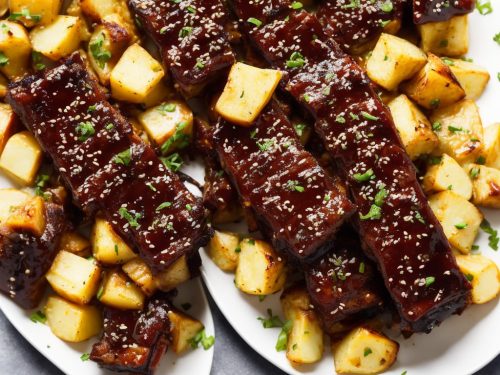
(394,60)
(173,276)
(448,175)
(73,277)
(30,216)
(140,273)
(183,328)
(15,50)
(21,158)
(107,246)
(118,291)
(492,146)
(305,340)
(71,322)
(172,121)
(135,75)
(8,124)
(106,45)
(434,86)
(413,127)
(486,185)
(161,93)
(460,219)
(224,249)
(248,90)
(34,12)
(364,351)
(446,38)
(471,77)
(483,274)
(260,269)
(10,200)
(460,131)
(74,242)
(3,86)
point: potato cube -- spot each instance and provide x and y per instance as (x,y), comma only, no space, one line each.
(72,322)
(73,277)
(34,12)
(260,269)
(473,78)
(75,243)
(106,45)
(172,121)
(3,86)
(107,246)
(459,130)
(247,91)
(486,185)
(4,7)
(434,85)
(118,291)
(135,75)
(15,49)
(10,200)
(223,249)
(483,274)
(492,145)
(30,217)
(446,38)
(59,39)
(448,175)
(364,351)
(140,273)
(173,276)
(460,219)
(183,328)
(21,158)
(8,124)
(394,60)
(413,127)
(305,340)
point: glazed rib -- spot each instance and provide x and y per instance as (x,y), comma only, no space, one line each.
(296,204)
(425,11)
(134,341)
(355,27)
(395,221)
(191,37)
(343,285)
(26,258)
(110,169)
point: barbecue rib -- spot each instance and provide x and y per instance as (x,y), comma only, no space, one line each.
(396,224)
(440,10)
(106,166)
(191,39)
(26,258)
(134,341)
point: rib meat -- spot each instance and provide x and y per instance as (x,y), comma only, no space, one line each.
(190,35)
(395,221)
(108,168)
(425,11)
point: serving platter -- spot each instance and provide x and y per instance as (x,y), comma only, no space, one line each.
(461,345)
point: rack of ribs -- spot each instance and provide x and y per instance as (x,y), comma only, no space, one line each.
(106,166)
(425,11)
(191,38)
(134,341)
(356,27)
(397,227)
(25,257)
(296,204)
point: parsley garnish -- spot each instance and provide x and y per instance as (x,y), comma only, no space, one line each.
(85,130)
(293,185)
(272,321)
(85,357)
(362,267)
(132,219)
(101,55)
(4,60)
(185,31)
(37,60)
(199,64)
(173,162)
(25,12)
(38,317)
(484,7)
(436,126)
(493,234)
(368,116)
(429,280)
(368,175)
(283,336)
(40,183)
(166,107)
(296,60)
(376,208)
(297,5)
(367,352)
(434,103)
(123,157)
(461,225)
(254,21)
(387,7)
(299,129)
(201,338)
(163,205)
(178,137)
(454,129)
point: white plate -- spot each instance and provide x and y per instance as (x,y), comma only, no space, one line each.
(462,344)
(66,356)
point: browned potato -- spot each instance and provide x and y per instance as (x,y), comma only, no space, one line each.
(30,216)
(446,38)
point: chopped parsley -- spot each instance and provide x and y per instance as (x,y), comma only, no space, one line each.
(297,5)
(85,357)
(474,172)
(481,160)
(185,31)
(484,7)
(199,64)
(265,145)
(367,352)
(299,129)
(25,12)
(387,7)
(362,267)
(41,182)
(201,338)
(163,205)
(272,321)
(123,157)
(436,126)
(469,277)
(283,336)
(461,225)
(101,55)
(419,217)
(454,129)
(255,21)
(376,208)
(293,185)
(173,162)
(340,119)
(85,130)
(37,60)
(100,292)
(179,138)
(434,103)
(131,218)
(368,116)
(429,280)
(296,60)
(38,317)
(4,60)
(368,175)
(166,107)
(493,234)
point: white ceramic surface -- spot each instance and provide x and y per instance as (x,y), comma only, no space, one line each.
(462,344)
